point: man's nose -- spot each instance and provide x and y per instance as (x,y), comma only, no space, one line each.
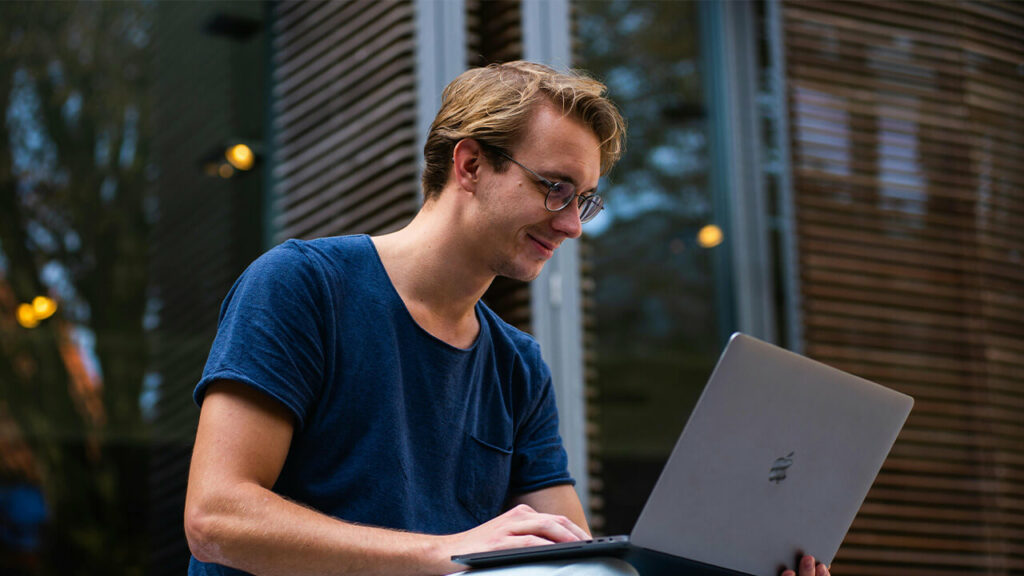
(567,220)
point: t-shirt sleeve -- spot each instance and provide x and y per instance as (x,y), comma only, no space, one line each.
(539,457)
(271,331)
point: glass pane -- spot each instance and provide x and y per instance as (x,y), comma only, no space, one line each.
(122,224)
(653,248)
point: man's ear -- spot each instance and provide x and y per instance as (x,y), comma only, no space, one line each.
(467,159)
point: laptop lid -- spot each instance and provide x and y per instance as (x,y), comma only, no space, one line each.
(775,461)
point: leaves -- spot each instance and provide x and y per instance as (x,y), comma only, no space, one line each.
(73,88)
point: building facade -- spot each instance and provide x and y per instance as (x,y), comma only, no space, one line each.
(840,178)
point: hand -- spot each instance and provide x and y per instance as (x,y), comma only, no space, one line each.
(521,526)
(808,568)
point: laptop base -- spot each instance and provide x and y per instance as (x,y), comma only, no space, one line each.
(614,546)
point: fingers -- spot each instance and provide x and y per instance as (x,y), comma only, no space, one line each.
(576,532)
(526,521)
(526,540)
(516,528)
(808,568)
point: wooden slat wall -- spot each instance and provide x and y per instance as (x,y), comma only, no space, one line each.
(494,31)
(344,94)
(592,400)
(907,124)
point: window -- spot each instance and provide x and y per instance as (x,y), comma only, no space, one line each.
(656,311)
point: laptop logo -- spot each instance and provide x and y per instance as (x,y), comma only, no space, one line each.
(778,473)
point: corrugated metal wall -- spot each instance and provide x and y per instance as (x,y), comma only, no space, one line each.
(907,124)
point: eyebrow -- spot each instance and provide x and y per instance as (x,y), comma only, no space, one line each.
(550,175)
(560,177)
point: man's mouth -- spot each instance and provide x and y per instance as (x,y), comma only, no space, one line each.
(546,247)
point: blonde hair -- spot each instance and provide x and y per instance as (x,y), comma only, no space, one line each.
(493,105)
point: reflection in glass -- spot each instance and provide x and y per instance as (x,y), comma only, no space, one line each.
(656,331)
(73,249)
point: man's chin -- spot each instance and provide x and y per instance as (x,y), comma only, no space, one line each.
(522,277)
(522,273)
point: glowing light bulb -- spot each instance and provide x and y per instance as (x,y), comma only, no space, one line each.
(710,236)
(43,307)
(27,316)
(240,156)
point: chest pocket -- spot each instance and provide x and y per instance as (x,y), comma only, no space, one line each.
(484,472)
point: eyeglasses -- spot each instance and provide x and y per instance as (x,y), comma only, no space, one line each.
(561,194)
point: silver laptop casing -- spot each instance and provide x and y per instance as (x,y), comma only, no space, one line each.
(775,461)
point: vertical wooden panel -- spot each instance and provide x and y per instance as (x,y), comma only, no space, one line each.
(907,129)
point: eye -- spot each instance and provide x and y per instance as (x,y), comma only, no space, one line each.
(563,189)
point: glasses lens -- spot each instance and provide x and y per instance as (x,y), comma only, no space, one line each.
(559,196)
(590,206)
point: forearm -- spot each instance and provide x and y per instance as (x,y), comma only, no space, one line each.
(253,529)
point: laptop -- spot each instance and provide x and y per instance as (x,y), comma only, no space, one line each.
(774,462)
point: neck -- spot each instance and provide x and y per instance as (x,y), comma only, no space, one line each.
(435,276)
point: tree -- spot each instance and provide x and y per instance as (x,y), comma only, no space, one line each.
(73,225)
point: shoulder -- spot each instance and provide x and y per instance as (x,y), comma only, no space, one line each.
(297,271)
(507,333)
(507,339)
(312,259)
(328,250)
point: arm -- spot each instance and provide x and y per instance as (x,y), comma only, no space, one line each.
(233,518)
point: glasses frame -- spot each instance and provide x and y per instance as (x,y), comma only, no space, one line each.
(586,203)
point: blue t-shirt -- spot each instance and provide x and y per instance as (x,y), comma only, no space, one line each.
(393,427)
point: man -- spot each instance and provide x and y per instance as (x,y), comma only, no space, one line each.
(362,412)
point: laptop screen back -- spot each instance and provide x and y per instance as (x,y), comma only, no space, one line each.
(775,461)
